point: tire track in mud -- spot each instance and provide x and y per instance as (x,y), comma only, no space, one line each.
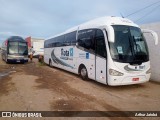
(67,98)
(6,85)
(8,91)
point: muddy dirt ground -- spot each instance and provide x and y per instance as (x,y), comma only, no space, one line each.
(38,87)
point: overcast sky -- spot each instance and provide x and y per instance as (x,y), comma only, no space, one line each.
(45,18)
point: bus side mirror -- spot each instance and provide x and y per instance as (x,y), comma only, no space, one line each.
(154,34)
(110,33)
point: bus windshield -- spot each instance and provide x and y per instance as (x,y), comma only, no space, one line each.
(18,48)
(130,45)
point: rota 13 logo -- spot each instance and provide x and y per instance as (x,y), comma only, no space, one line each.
(67,54)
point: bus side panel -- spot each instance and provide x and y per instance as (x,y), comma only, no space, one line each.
(88,60)
(47,55)
(70,58)
(63,57)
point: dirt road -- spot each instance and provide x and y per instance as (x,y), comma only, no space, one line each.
(37,87)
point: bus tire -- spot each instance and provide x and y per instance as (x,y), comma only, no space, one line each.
(50,63)
(83,72)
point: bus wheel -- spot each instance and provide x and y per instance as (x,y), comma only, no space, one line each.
(50,63)
(83,73)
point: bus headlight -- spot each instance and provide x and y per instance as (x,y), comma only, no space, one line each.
(148,71)
(115,73)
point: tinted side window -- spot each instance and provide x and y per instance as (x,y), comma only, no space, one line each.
(45,44)
(85,39)
(63,40)
(59,41)
(53,42)
(48,43)
(70,39)
(100,44)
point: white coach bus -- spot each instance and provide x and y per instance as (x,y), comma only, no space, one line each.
(109,50)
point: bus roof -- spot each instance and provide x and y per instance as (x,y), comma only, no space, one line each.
(100,22)
(16,38)
(104,21)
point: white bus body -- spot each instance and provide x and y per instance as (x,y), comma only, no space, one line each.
(109,50)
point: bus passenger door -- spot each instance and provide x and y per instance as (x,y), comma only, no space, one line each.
(100,57)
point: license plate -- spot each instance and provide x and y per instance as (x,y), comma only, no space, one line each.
(135,79)
(18,60)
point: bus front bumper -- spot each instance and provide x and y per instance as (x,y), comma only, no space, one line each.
(128,80)
(17,60)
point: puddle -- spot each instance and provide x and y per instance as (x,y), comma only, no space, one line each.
(2,74)
(5,71)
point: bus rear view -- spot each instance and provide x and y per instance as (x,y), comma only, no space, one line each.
(15,49)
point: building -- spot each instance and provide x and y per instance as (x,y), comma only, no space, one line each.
(154,50)
(36,46)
